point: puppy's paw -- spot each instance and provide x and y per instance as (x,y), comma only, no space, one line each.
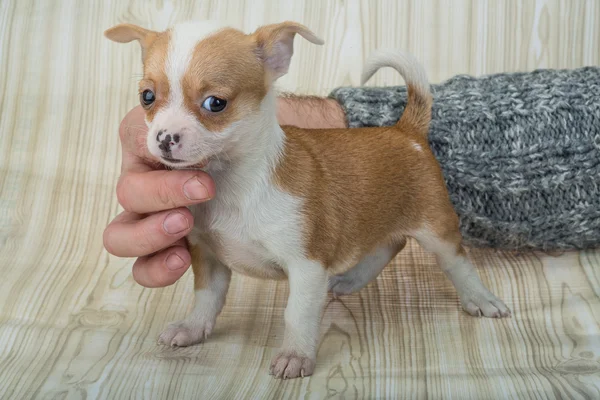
(341,285)
(185,333)
(288,365)
(485,304)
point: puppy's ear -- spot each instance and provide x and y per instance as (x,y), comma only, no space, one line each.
(125,33)
(275,45)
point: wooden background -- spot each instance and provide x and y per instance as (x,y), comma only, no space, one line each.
(73,323)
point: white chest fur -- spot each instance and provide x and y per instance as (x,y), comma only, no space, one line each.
(251,226)
(254,230)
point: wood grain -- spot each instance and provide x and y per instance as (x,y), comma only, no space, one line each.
(73,323)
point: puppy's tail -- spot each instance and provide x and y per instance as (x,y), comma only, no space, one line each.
(417,113)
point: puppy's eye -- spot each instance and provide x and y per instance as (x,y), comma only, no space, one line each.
(147,98)
(214,104)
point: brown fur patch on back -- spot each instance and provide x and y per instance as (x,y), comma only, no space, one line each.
(361,187)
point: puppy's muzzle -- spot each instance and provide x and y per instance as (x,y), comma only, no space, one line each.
(166,141)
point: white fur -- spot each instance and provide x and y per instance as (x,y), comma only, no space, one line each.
(251,217)
(308,292)
(185,37)
(405,63)
(475,298)
(209,302)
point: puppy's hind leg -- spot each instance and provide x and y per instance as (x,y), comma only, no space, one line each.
(365,271)
(445,243)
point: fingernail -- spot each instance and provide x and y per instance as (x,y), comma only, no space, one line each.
(174,262)
(175,223)
(195,190)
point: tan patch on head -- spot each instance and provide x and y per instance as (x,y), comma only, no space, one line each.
(155,77)
(224,65)
(154,47)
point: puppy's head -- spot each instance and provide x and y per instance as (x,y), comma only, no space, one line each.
(203,83)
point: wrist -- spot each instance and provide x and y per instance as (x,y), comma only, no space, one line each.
(310,112)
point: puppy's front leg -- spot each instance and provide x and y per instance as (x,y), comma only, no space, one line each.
(308,292)
(211,282)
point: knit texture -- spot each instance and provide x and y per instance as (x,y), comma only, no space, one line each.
(520,153)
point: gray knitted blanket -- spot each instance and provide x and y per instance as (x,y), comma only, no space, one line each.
(520,153)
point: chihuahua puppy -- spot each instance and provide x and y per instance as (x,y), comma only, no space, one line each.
(326,209)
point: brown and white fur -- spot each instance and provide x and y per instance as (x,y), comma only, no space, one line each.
(324,209)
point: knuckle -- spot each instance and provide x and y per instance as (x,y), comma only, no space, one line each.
(165,194)
(146,241)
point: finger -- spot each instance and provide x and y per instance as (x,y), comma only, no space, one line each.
(130,236)
(146,192)
(162,269)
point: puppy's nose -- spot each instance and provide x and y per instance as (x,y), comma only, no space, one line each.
(166,140)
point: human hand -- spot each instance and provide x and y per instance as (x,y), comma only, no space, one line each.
(310,112)
(155,221)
